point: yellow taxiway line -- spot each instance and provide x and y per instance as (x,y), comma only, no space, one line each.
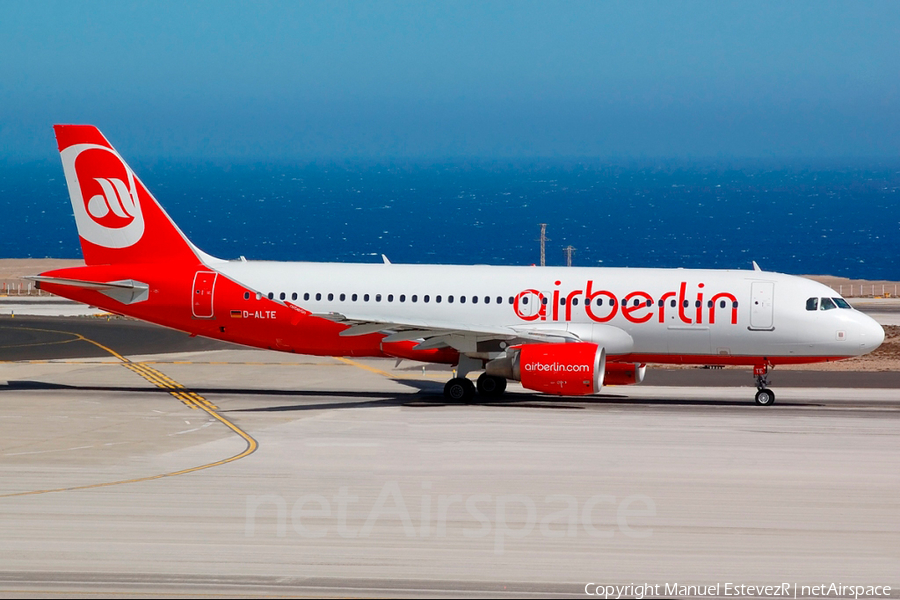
(189,398)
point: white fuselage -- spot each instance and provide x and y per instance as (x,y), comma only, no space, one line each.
(683,314)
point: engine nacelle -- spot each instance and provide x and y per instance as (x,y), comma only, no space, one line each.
(563,369)
(624,373)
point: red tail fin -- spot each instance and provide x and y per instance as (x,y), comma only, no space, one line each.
(118,220)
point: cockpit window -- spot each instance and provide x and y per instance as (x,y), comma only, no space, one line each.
(841,303)
(827,304)
(812,304)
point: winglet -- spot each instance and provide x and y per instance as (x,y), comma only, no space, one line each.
(756,266)
(385,259)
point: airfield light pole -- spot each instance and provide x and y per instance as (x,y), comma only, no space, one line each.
(543,240)
(569,250)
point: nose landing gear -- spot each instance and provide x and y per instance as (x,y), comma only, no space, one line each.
(764,396)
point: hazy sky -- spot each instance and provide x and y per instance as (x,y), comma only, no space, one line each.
(435,79)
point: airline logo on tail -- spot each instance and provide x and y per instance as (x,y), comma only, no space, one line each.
(104,196)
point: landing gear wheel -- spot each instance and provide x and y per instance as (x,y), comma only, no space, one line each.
(491,386)
(459,389)
(765,397)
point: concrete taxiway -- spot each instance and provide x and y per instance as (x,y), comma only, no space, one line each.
(215,470)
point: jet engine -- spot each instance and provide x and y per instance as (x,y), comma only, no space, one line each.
(624,373)
(575,369)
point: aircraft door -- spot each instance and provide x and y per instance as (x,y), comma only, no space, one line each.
(529,303)
(762,297)
(202,294)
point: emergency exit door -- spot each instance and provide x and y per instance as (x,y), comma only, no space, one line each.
(762,301)
(202,301)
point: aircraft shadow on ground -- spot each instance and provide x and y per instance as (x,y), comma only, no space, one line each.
(428,394)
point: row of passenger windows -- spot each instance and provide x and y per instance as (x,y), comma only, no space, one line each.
(378,298)
(638,302)
(826,303)
(475,299)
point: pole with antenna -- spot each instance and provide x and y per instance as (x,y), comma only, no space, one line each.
(569,251)
(543,240)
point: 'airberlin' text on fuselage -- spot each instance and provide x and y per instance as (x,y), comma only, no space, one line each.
(602,305)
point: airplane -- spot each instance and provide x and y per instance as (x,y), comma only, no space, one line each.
(556,330)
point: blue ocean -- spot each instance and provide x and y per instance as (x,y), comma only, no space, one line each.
(829,218)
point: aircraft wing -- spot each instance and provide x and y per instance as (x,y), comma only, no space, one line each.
(463,337)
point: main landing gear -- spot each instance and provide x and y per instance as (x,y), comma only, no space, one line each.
(461,389)
(764,396)
(491,386)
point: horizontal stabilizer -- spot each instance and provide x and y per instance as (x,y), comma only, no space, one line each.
(127,291)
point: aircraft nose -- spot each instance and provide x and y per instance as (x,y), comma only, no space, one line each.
(871,334)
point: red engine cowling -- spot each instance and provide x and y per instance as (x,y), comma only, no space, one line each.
(564,369)
(624,373)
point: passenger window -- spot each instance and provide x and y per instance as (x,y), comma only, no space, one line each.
(450,299)
(722,304)
(462,299)
(709,304)
(512,300)
(390,297)
(812,304)
(543,300)
(524,299)
(426,298)
(294,296)
(437,299)
(354,297)
(318,297)
(402,297)
(611,302)
(330,297)
(246,295)
(698,304)
(562,301)
(487,299)
(734,304)
(841,303)
(282,296)
(306,296)
(271,295)
(686,303)
(415,298)
(827,304)
(343,297)
(377,297)
(499,299)
(365,297)
(649,303)
(661,302)
(574,301)
(672,303)
(475,300)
